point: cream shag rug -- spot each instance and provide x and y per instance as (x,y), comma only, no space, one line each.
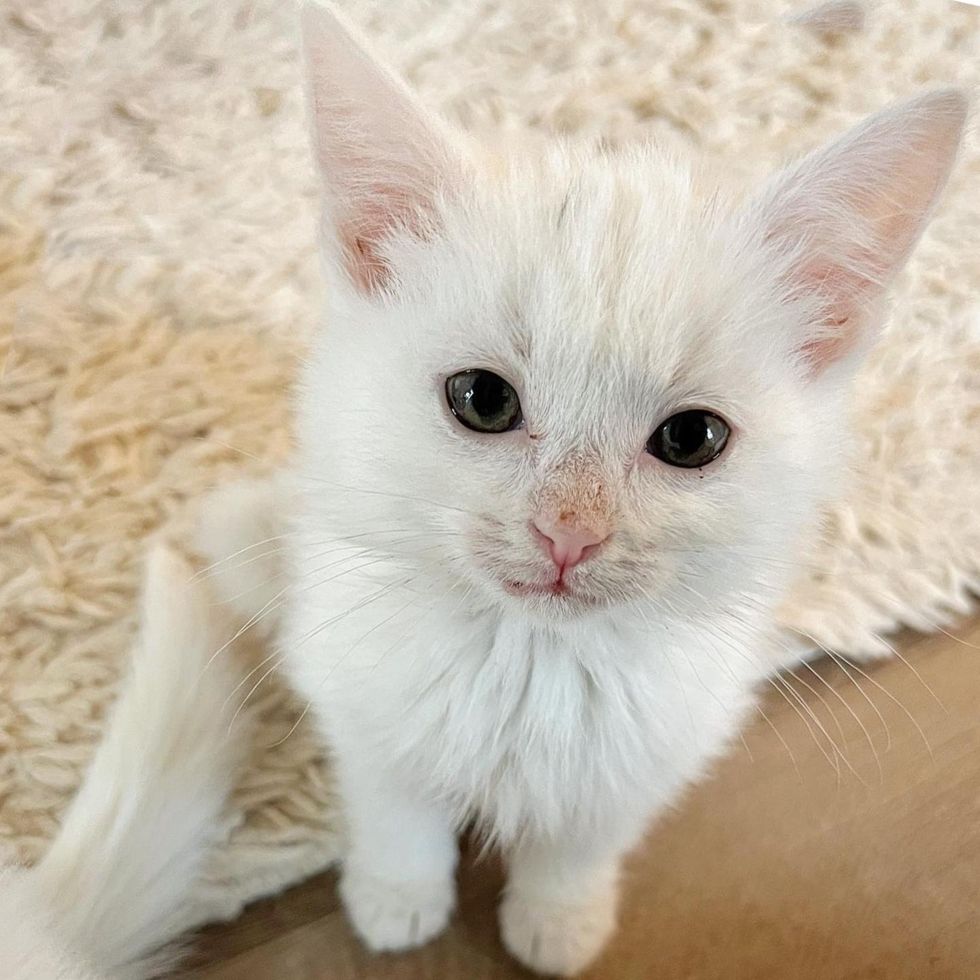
(157,276)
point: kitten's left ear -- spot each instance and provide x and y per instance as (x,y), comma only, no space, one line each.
(383,158)
(844,220)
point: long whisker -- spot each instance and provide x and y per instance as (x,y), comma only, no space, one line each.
(850,710)
(267,608)
(251,673)
(840,728)
(915,673)
(234,449)
(823,702)
(256,686)
(783,742)
(846,665)
(842,663)
(778,684)
(222,561)
(295,725)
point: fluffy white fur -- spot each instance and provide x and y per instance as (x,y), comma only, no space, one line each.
(612,290)
(113,889)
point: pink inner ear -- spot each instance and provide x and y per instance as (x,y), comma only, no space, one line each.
(383,158)
(849,215)
(823,351)
(367,271)
(385,209)
(846,292)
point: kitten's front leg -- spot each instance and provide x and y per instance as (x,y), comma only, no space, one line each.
(397,881)
(559,907)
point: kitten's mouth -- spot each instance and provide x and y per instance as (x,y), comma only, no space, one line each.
(557,589)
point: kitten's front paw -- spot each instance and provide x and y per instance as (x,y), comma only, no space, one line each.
(395,915)
(556,937)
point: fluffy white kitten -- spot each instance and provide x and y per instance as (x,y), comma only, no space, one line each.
(558,443)
(113,888)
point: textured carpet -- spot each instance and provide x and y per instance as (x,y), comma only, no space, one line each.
(157,278)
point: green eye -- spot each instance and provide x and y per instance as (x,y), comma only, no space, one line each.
(483,401)
(690,439)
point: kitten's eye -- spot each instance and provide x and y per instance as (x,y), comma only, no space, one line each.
(689,439)
(483,401)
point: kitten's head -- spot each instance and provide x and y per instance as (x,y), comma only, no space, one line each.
(587,378)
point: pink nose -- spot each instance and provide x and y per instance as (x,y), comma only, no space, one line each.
(567,546)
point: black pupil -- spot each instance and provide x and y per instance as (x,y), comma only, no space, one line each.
(489,395)
(687,433)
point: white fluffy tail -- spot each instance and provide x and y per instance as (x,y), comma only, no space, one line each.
(113,889)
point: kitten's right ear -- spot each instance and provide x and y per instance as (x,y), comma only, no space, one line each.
(383,159)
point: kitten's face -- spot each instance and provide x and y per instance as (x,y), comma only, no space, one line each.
(577,309)
(507,341)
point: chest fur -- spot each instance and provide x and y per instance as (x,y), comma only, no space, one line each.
(523,728)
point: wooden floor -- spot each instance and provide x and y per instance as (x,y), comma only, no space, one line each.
(797,860)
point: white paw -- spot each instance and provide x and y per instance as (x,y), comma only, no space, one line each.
(553,937)
(395,915)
